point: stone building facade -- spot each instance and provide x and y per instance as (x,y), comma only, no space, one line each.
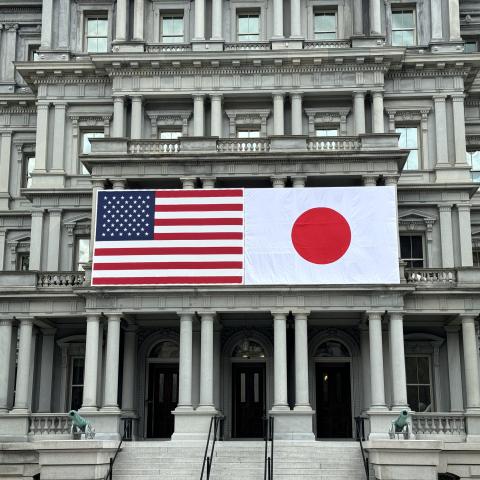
(144,94)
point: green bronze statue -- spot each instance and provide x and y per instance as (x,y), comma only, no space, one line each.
(80,425)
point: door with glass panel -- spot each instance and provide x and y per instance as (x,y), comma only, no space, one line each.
(162,399)
(248,384)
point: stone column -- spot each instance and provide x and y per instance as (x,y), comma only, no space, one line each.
(188,183)
(129,370)
(278,182)
(446,235)
(280,398)
(216,115)
(5,354)
(470,360)
(378,119)
(54,233)
(436,16)
(47,25)
(369,180)
(64,27)
(46,370)
(297,115)
(454,369)
(10,39)
(137,117)
(59,135)
(459,129)
(208,182)
(465,228)
(299,182)
(185,367)
(302,399)
(22,402)
(199,20)
(441,130)
(376,361)
(277,18)
(397,361)
(206,363)
(375,17)
(97,184)
(454,20)
(217,20)
(118,129)
(358,15)
(365,352)
(121,21)
(5,160)
(198,115)
(41,143)
(110,400)
(118,183)
(278,115)
(138,19)
(91,363)
(36,238)
(3,234)
(295,19)
(359,111)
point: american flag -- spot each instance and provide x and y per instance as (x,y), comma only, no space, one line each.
(169,237)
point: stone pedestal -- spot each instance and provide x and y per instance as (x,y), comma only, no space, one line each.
(18,460)
(14,427)
(106,424)
(192,424)
(293,424)
(381,422)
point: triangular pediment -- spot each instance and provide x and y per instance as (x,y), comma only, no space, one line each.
(416,216)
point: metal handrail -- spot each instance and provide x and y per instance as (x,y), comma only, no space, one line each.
(109,474)
(360,433)
(215,422)
(269,434)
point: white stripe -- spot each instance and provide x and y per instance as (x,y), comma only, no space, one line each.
(168,273)
(169,243)
(228,214)
(167,258)
(198,200)
(198,228)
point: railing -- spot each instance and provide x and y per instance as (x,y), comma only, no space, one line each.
(168,47)
(239,145)
(153,146)
(438,424)
(109,474)
(333,143)
(431,275)
(60,279)
(216,424)
(49,424)
(248,46)
(269,434)
(327,44)
(360,437)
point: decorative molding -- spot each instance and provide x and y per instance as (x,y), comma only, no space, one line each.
(330,115)
(247,116)
(168,119)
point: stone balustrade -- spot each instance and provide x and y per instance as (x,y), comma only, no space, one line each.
(168,47)
(49,424)
(433,276)
(437,423)
(327,44)
(333,143)
(243,145)
(154,146)
(248,46)
(60,279)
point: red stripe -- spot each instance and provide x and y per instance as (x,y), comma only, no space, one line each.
(197,193)
(198,221)
(199,236)
(165,280)
(165,265)
(213,207)
(169,251)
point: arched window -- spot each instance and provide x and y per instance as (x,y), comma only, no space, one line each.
(165,349)
(248,348)
(332,348)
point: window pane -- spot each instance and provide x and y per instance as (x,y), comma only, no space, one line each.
(326,132)
(102,28)
(470,47)
(92,45)
(408,19)
(92,27)
(325,36)
(78,371)
(83,252)
(405,246)
(408,38)
(243,25)
(325,22)
(102,45)
(397,38)
(29,168)
(411,138)
(397,20)
(77,397)
(424,400)
(412,161)
(411,369)
(253,24)
(417,246)
(412,397)
(423,370)
(402,141)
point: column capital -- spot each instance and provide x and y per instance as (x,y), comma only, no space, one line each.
(467,318)
(6,322)
(278,181)
(42,104)
(114,316)
(25,321)
(452,328)
(301,315)
(458,97)
(374,315)
(279,315)
(93,317)
(395,315)
(136,97)
(278,95)
(216,96)
(118,183)
(370,180)
(38,213)
(60,105)
(55,212)
(98,182)
(377,93)
(464,207)
(299,181)
(445,208)
(391,180)
(188,182)
(296,95)
(118,98)
(207,316)
(359,93)
(198,96)
(439,97)
(208,182)
(187,316)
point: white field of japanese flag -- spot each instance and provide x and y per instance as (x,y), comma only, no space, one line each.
(321,236)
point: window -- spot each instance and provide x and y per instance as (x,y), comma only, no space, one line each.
(411,250)
(96,33)
(326,132)
(470,46)
(409,140)
(248,27)
(28,168)
(476,257)
(172,28)
(419,385)
(82,252)
(23,261)
(403,28)
(76,376)
(33,53)
(473,159)
(248,133)
(170,135)
(325,26)
(86,146)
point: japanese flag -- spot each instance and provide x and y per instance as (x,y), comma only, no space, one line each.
(321,236)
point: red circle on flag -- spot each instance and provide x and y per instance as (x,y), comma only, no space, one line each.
(321,235)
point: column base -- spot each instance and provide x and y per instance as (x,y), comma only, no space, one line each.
(14,426)
(192,424)
(87,409)
(293,424)
(446,173)
(110,409)
(20,411)
(472,420)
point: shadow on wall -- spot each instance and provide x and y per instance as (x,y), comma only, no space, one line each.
(447,476)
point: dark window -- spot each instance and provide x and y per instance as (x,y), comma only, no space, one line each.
(27,169)
(419,385)
(76,396)
(470,46)
(33,52)
(411,250)
(473,159)
(476,257)
(23,261)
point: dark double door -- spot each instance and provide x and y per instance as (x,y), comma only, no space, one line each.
(248,399)
(162,399)
(334,403)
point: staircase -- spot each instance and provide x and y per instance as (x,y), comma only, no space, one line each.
(240,460)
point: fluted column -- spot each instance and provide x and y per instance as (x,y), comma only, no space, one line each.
(110,401)
(375,17)
(358,15)
(378,119)
(199,20)
(36,239)
(278,113)
(64,27)
(10,40)
(47,25)
(91,363)
(441,130)
(137,117)
(295,19)
(217,20)
(454,369)
(185,364)
(129,369)
(359,111)
(118,129)
(458,102)
(277,18)
(302,399)
(280,398)
(54,233)
(206,363)
(454,20)
(5,355)
(46,370)
(470,361)
(58,163)
(446,235)
(436,16)
(465,229)
(297,115)
(198,115)
(397,360)
(376,361)
(22,403)
(216,115)
(121,21)
(138,19)
(41,143)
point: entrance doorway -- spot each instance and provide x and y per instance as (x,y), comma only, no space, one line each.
(334,402)
(162,399)
(248,399)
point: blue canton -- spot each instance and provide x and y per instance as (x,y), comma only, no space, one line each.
(125,215)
